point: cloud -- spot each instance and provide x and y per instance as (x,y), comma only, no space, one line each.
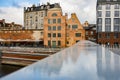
(1,11)
(13,13)
(85,9)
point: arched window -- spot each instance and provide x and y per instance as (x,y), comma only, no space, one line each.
(54,14)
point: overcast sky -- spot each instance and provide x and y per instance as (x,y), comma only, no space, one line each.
(12,10)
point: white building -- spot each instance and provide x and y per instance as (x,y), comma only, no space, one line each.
(34,16)
(108,21)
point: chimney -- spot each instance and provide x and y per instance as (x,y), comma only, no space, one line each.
(24,8)
(48,3)
(3,20)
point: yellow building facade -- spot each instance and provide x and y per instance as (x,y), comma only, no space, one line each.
(75,31)
(55,28)
(59,31)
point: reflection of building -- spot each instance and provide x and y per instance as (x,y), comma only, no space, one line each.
(108,64)
(108,22)
(9,26)
(90,31)
(34,16)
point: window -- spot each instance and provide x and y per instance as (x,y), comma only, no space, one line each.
(49,27)
(91,32)
(99,24)
(74,26)
(107,35)
(99,36)
(99,14)
(41,25)
(78,34)
(59,20)
(54,28)
(59,27)
(77,41)
(68,26)
(49,34)
(41,14)
(53,43)
(59,34)
(86,32)
(54,21)
(41,20)
(49,43)
(107,21)
(48,21)
(36,19)
(54,34)
(73,19)
(99,21)
(36,26)
(67,35)
(59,43)
(67,42)
(116,35)
(41,33)
(54,14)
(116,6)
(116,21)
(107,13)
(116,28)
(108,28)
(108,7)
(99,7)
(116,14)
(107,24)
(116,24)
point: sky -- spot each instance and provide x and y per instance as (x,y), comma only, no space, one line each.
(12,10)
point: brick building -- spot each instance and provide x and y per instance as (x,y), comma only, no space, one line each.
(90,31)
(55,28)
(75,31)
(21,38)
(59,31)
(43,23)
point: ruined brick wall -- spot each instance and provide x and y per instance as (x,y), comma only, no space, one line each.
(21,35)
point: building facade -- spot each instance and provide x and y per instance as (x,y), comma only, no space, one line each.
(34,16)
(75,31)
(59,31)
(108,22)
(55,28)
(90,31)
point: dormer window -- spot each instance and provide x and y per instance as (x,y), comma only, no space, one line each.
(42,7)
(54,14)
(48,7)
